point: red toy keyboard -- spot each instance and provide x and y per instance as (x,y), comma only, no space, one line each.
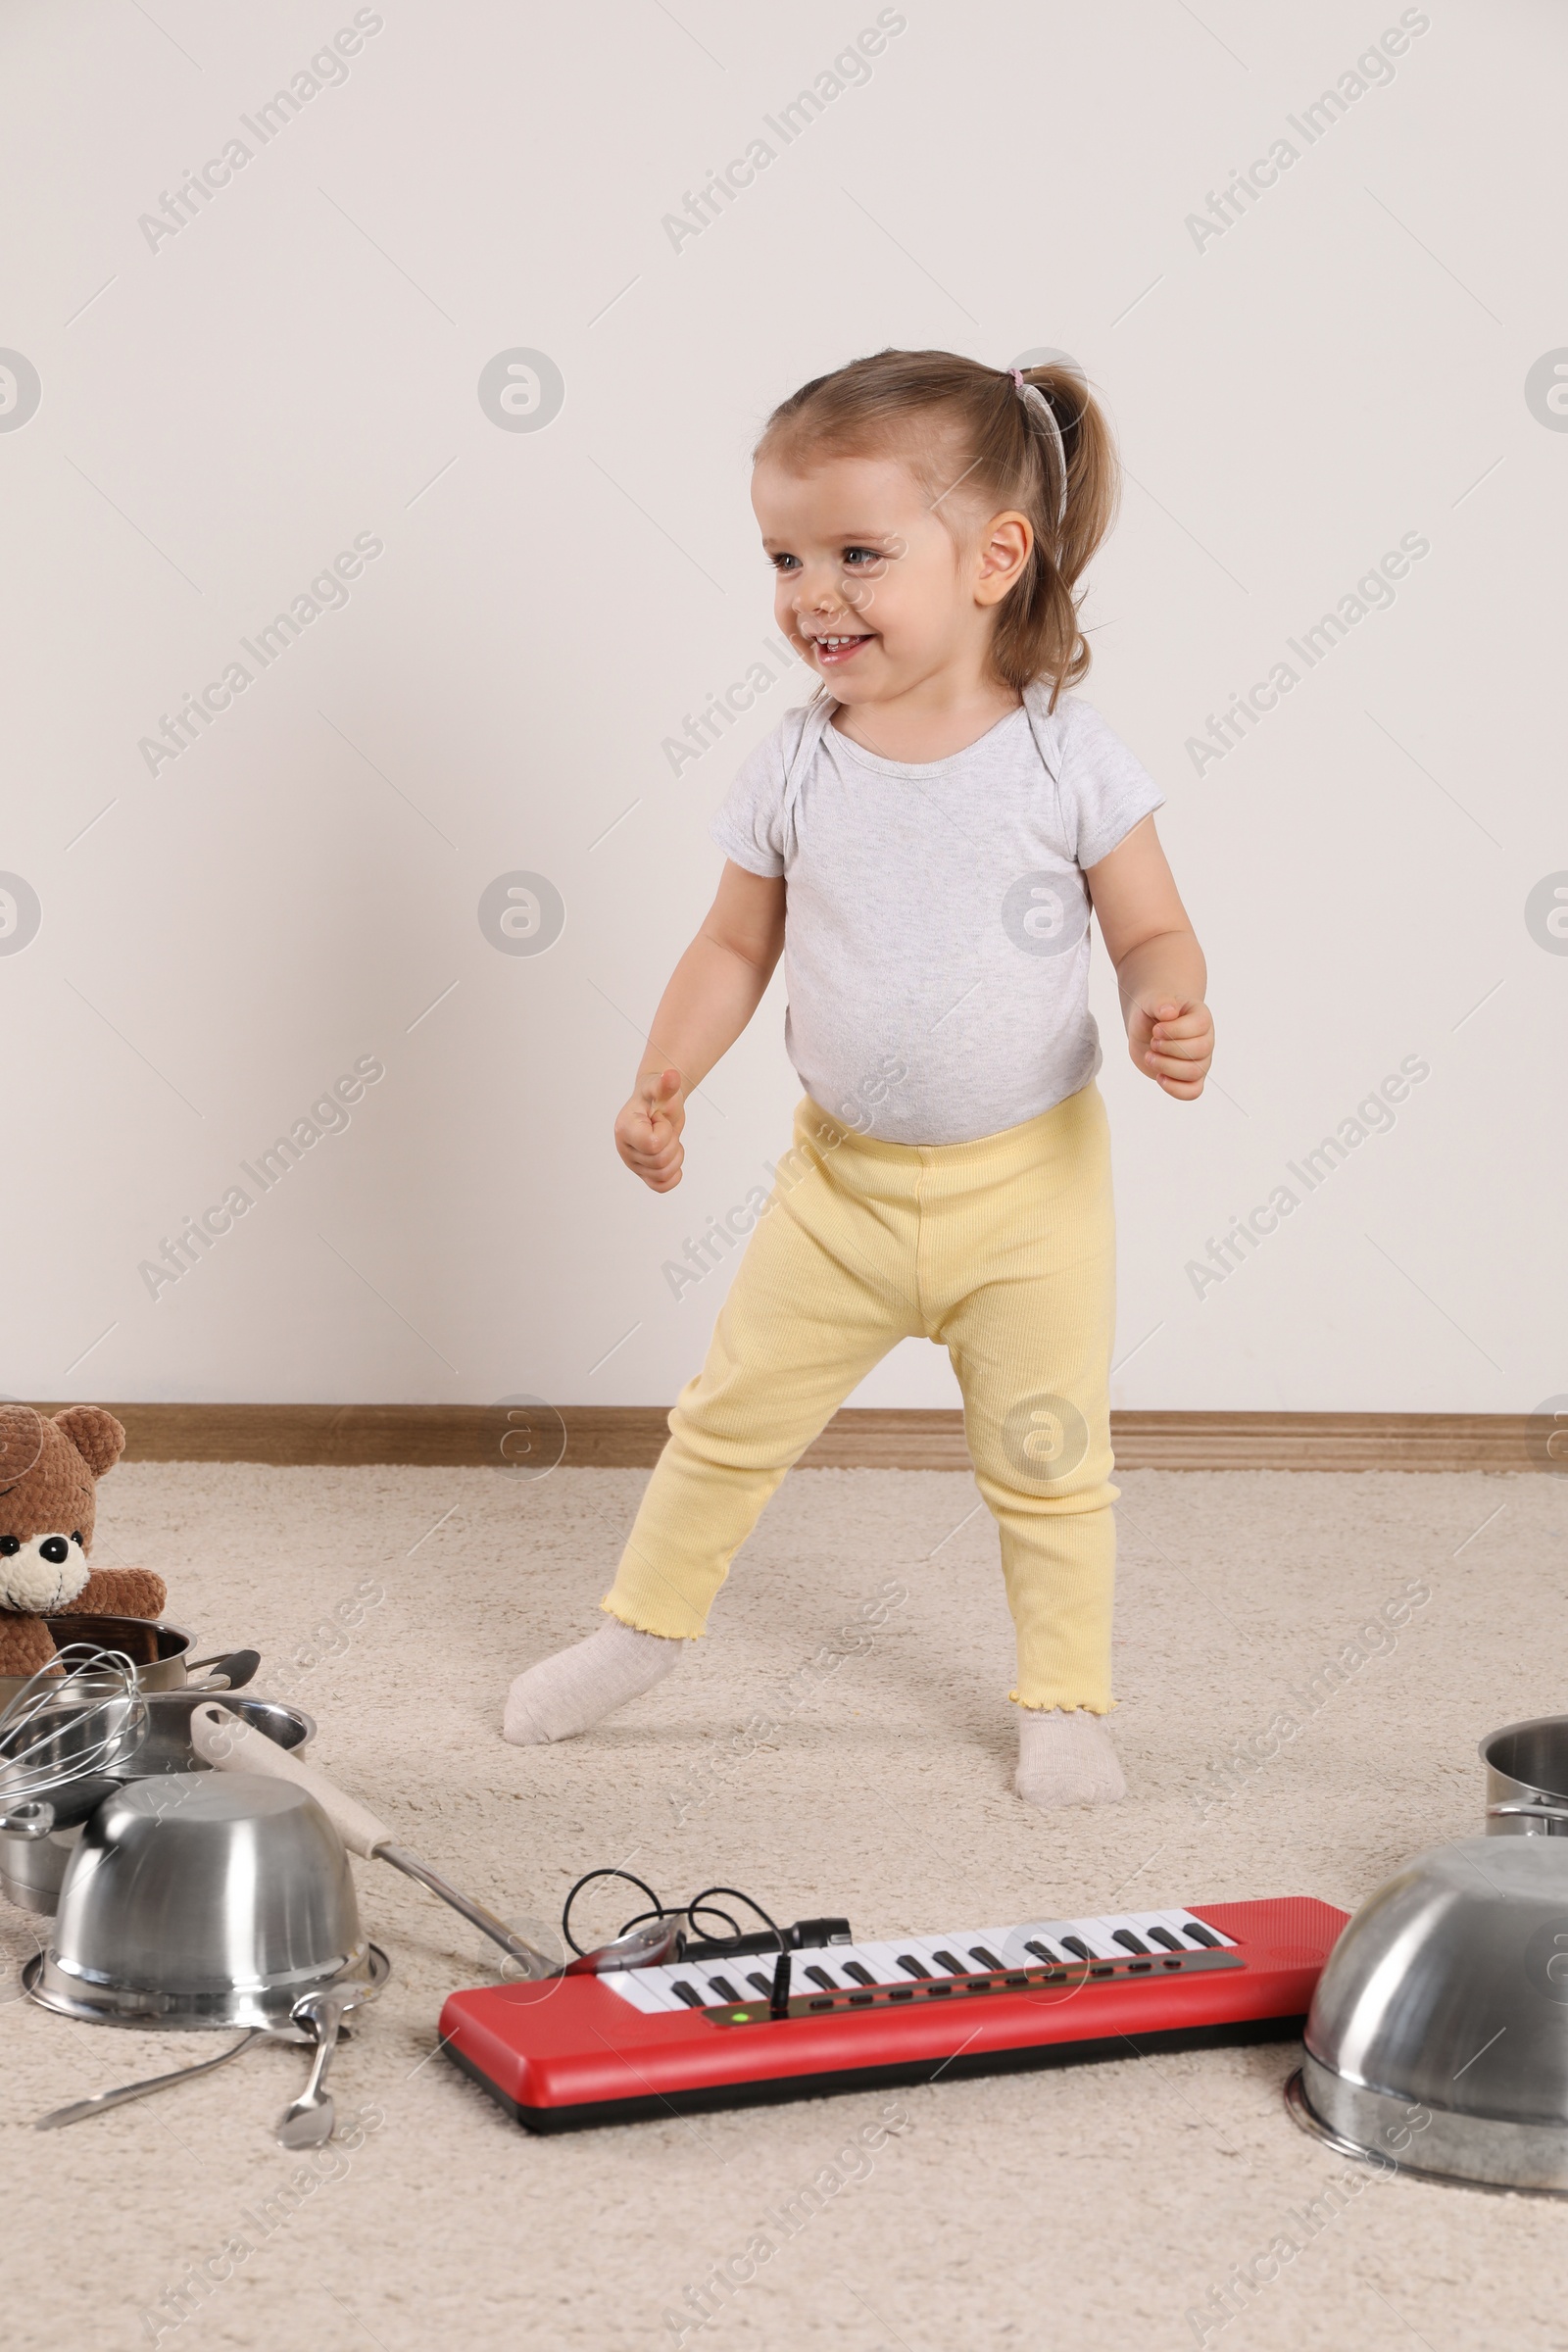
(650,2041)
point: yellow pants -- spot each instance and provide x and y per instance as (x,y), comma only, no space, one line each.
(1002,1250)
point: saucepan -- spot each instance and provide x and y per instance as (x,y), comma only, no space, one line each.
(159,1651)
(1526,1779)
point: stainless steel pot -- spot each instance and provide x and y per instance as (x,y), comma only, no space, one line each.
(203,1900)
(1438,2038)
(157,1653)
(33,1868)
(1526,1779)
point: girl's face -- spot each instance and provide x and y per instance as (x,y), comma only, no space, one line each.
(877,592)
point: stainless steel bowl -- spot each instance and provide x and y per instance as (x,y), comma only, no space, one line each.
(1526,1779)
(202,1898)
(166,1745)
(32,1869)
(1438,2038)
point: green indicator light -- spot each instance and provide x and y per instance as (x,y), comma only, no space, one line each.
(740,2017)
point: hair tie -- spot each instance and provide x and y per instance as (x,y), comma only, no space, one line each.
(1033,398)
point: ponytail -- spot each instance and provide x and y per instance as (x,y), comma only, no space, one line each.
(1037,631)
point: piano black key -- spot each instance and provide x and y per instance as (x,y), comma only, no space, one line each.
(688,1993)
(1198,1934)
(724,1987)
(1128,1940)
(861,1976)
(761,1983)
(977,1952)
(1042,1951)
(1077,1947)
(948,1961)
(1163,1935)
(912,1967)
(819,1976)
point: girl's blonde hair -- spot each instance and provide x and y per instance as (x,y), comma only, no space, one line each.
(955,417)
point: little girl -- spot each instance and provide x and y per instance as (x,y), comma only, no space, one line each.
(922,842)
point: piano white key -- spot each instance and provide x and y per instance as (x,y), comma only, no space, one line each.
(684,1972)
(882,1959)
(830,1960)
(1010,1945)
(1143,1922)
(1106,1928)
(636,1986)
(992,1941)
(703,1974)
(1218,1934)
(879,1960)
(927,1948)
(1186,1919)
(1092,1932)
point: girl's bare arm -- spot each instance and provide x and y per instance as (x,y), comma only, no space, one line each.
(1159,964)
(712,993)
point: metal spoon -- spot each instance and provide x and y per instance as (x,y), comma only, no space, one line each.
(102,2100)
(308,2120)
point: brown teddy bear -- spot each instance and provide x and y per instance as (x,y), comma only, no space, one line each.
(49,1473)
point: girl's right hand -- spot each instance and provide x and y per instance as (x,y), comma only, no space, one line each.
(648,1130)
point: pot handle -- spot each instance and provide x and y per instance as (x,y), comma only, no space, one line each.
(230,1672)
(1527,1812)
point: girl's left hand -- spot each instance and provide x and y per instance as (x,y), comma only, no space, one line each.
(1172,1041)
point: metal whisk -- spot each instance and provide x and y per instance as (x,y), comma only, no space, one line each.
(67,1730)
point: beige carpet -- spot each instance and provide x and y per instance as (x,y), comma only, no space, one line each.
(1097,2206)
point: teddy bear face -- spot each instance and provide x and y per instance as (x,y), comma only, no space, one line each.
(42,1574)
(48,1496)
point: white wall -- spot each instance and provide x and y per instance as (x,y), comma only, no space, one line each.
(224,410)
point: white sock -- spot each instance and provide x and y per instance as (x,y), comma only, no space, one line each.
(1065,1758)
(578,1688)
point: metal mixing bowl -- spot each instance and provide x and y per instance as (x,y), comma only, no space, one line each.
(202,1898)
(1438,2038)
(166,1747)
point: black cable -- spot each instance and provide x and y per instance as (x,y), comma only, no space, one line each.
(699,1902)
(689,1911)
(658,1910)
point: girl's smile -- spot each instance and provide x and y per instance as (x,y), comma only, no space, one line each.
(832,652)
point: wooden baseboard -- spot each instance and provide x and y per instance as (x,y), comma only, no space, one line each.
(527,1439)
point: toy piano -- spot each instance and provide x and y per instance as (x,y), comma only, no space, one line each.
(695,2034)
